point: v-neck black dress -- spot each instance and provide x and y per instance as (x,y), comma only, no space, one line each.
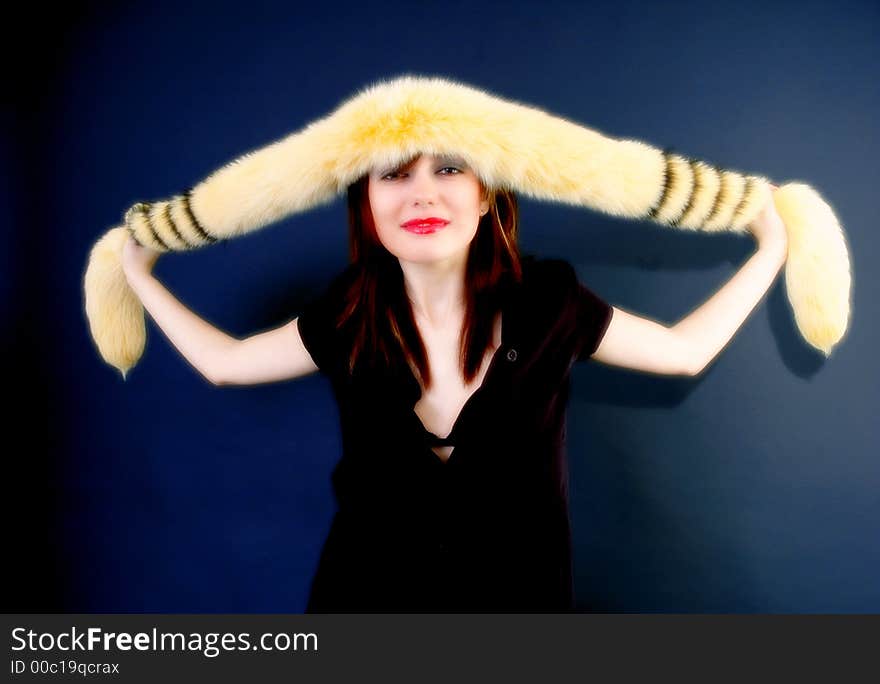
(487,530)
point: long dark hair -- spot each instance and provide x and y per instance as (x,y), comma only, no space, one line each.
(380,312)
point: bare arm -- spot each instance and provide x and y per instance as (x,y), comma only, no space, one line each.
(690,345)
(277,354)
(200,343)
(643,344)
(709,328)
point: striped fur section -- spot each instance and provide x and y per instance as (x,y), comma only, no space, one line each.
(697,195)
(168,225)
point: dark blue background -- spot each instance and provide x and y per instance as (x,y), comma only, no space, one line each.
(753,488)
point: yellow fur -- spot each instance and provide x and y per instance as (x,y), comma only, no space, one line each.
(115,314)
(817,273)
(509,145)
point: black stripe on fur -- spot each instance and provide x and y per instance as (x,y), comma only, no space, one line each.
(719,196)
(153,232)
(747,193)
(173,226)
(187,203)
(695,189)
(664,191)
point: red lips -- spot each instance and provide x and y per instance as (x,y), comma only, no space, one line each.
(427,221)
(424,226)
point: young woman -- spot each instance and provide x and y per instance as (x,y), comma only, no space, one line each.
(449,356)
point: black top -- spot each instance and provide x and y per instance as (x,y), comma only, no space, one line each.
(488,529)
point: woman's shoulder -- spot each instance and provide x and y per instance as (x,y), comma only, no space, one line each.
(318,317)
(552,286)
(343,278)
(562,307)
(543,276)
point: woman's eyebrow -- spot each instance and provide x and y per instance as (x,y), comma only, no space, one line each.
(451,159)
(405,164)
(439,159)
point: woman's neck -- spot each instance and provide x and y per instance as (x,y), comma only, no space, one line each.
(436,290)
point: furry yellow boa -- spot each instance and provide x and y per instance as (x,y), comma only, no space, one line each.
(509,145)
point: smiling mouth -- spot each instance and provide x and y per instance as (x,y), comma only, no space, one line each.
(424,228)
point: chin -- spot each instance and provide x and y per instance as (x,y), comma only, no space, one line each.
(427,254)
(425,249)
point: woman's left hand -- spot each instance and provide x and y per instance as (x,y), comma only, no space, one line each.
(768,227)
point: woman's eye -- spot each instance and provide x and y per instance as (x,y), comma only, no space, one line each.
(445,168)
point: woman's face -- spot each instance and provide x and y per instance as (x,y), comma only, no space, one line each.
(427,187)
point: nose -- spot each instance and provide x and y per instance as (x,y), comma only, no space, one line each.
(424,186)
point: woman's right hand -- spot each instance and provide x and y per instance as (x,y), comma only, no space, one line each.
(137,260)
(768,228)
